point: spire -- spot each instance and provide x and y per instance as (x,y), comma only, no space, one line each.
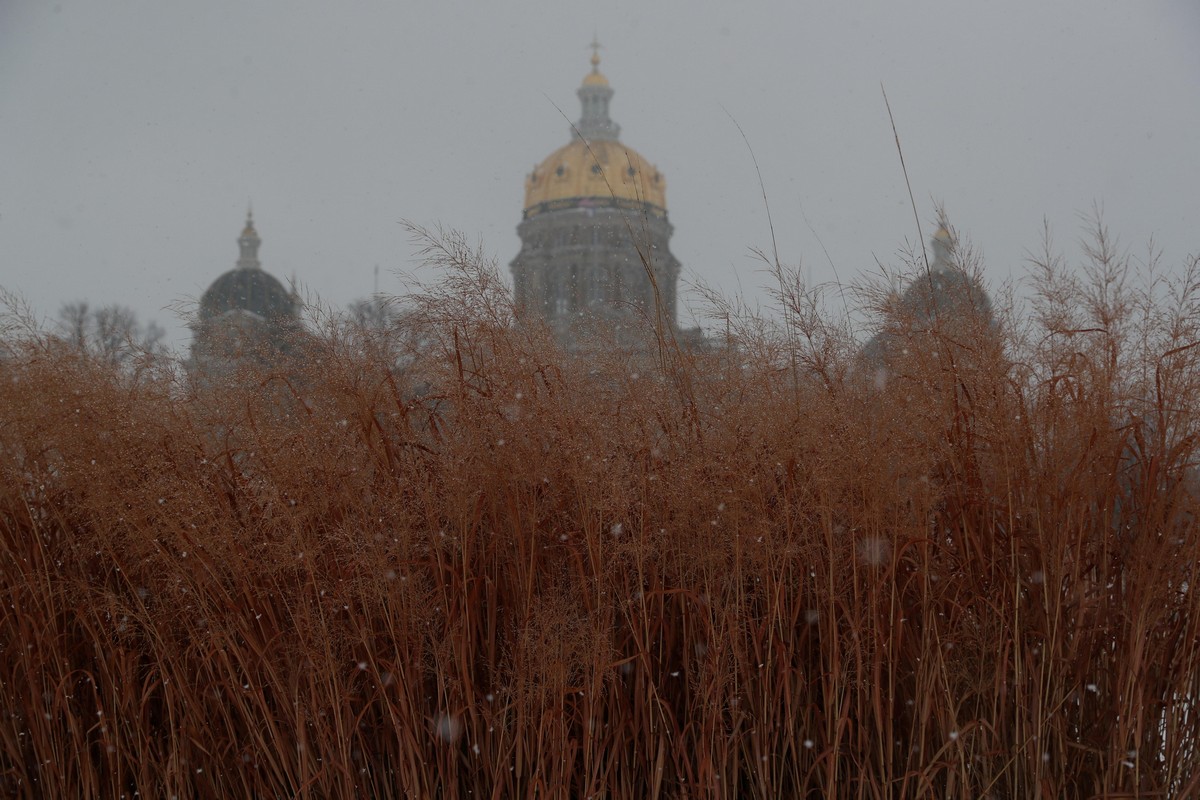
(595,95)
(248,244)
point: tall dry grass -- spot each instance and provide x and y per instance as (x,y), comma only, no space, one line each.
(761,570)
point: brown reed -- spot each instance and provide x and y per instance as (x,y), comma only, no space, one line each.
(462,563)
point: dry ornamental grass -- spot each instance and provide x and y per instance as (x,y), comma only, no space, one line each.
(460,562)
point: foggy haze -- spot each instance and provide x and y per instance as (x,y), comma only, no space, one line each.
(134,133)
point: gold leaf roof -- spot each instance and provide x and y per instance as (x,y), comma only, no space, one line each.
(599,170)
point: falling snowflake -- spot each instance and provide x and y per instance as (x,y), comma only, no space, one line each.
(448,728)
(874,551)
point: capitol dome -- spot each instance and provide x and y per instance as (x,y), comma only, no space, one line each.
(596,173)
(594,229)
(595,169)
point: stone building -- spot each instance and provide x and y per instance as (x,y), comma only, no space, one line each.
(245,314)
(594,232)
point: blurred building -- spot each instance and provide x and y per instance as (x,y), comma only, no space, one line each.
(246,314)
(946,297)
(595,233)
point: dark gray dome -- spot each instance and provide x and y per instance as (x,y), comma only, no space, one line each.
(250,290)
(945,291)
(944,295)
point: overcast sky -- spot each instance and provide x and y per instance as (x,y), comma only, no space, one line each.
(133,134)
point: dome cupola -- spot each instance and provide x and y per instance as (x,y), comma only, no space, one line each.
(248,244)
(594,95)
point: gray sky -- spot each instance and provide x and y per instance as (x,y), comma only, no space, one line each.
(132,134)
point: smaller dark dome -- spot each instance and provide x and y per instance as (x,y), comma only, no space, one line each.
(945,291)
(249,290)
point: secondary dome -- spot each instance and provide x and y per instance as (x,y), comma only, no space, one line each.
(246,316)
(247,288)
(595,169)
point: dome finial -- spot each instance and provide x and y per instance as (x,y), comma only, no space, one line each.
(595,77)
(595,45)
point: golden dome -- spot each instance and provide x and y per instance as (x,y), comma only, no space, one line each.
(604,172)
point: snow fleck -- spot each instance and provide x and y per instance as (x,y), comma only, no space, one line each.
(874,551)
(616,529)
(362,665)
(808,743)
(448,728)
